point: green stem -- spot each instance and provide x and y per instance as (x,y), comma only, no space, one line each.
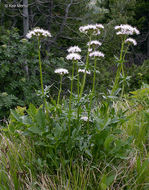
(123,73)
(123,85)
(93,88)
(78,81)
(86,67)
(59,93)
(94,79)
(78,86)
(120,67)
(122,49)
(71,88)
(84,78)
(125,52)
(40,66)
(70,99)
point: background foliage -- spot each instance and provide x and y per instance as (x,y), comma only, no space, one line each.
(63,18)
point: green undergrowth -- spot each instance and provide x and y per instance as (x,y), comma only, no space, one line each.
(48,150)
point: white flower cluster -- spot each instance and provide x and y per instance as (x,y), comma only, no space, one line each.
(74,49)
(38,32)
(126,29)
(85,29)
(99,26)
(61,71)
(83,71)
(96,54)
(94,43)
(90,49)
(91,28)
(73,56)
(131,40)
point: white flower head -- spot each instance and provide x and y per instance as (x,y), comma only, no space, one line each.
(136,31)
(73,56)
(96,54)
(85,29)
(90,49)
(94,43)
(96,33)
(61,71)
(39,32)
(90,29)
(131,40)
(126,29)
(83,71)
(99,26)
(84,118)
(74,49)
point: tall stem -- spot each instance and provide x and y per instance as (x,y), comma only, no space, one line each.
(86,67)
(78,81)
(40,66)
(94,79)
(93,88)
(123,84)
(71,88)
(59,93)
(70,99)
(123,74)
(78,86)
(120,67)
(125,52)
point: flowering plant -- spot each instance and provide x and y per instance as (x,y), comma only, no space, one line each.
(124,30)
(39,33)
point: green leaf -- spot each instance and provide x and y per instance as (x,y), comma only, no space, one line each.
(108,142)
(110,179)
(16,115)
(106,181)
(22,119)
(103,182)
(103,186)
(35,130)
(41,118)
(32,111)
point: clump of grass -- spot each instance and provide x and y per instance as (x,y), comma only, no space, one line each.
(136,107)
(16,158)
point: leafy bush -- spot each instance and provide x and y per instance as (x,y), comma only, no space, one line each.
(55,144)
(14,80)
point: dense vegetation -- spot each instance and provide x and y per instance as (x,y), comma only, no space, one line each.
(78,117)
